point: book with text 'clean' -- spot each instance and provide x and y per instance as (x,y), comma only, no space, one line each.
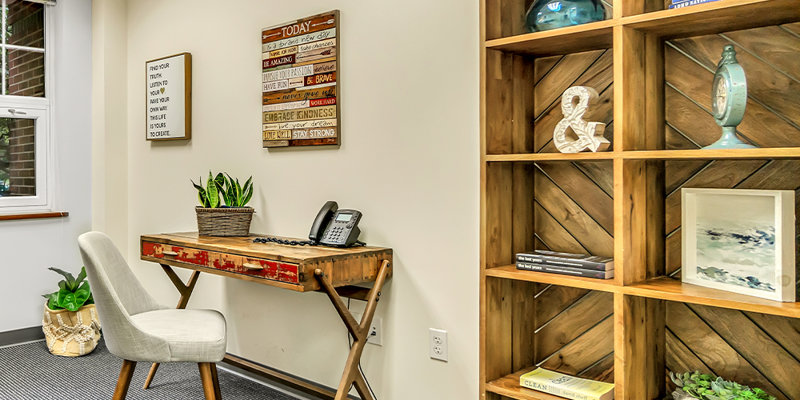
(567,386)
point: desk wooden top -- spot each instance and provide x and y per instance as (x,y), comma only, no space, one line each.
(289,267)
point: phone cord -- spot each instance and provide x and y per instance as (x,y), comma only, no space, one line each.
(358,243)
(284,241)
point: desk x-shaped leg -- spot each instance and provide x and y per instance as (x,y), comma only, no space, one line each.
(360,332)
(186,292)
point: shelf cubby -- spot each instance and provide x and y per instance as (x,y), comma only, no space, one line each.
(506,18)
(524,119)
(759,350)
(560,328)
(653,68)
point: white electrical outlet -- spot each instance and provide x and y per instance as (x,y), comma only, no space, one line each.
(375,330)
(438,344)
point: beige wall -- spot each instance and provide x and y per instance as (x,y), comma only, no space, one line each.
(409,162)
(109,117)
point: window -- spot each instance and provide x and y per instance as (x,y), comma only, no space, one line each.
(25,143)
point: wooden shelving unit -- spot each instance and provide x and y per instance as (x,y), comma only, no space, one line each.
(625,202)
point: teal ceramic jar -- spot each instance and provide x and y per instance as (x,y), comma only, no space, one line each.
(551,14)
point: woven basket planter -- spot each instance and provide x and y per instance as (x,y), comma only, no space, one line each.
(234,221)
(71,333)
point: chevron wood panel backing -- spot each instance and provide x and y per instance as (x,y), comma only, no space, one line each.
(755,349)
(573,212)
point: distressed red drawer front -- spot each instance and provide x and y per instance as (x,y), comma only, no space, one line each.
(267,269)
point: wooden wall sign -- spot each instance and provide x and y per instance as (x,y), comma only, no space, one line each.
(300,90)
(169,97)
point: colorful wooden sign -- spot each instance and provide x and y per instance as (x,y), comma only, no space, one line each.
(300,90)
(169,97)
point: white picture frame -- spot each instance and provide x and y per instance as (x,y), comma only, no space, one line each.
(726,235)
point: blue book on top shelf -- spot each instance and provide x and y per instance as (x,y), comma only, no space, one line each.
(687,3)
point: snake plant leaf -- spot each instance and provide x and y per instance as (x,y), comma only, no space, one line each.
(225,190)
(247,196)
(201,193)
(247,184)
(238,190)
(248,191)
(211,191)
(221,190)
(220,179)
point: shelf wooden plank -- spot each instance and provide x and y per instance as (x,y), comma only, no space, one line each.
(700,154)
(508,386)
(603,155)
(715,17)
(674,290)
(57,214)
(739,154)
(573,39)
(511,272)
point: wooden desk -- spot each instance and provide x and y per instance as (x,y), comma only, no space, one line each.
(330,270)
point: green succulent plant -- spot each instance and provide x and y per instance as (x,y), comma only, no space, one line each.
(222,188)
(710,387)
(73,293)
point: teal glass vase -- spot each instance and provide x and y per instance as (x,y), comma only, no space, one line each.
(552,14)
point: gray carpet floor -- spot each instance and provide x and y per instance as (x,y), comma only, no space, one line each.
(30,372)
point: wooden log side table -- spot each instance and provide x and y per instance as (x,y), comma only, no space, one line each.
(334,271)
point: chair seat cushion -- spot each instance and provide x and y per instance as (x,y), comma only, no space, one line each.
(192,335)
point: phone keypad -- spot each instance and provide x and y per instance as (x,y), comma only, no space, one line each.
(335,233)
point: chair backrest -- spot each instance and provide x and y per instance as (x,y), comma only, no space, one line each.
(118,295)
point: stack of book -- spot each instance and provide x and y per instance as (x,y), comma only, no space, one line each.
(687,3)
(566,386)
(582,265)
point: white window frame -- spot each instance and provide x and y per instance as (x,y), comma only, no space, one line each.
(41,110)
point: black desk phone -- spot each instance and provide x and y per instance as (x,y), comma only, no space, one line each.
(335,227)
(332,227)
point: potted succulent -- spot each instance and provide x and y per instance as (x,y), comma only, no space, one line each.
(229,219)
(70,323)
(697,386)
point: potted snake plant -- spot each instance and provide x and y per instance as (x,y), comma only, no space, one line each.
(223,207)
(70,324)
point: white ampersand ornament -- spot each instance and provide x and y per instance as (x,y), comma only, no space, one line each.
(590,134)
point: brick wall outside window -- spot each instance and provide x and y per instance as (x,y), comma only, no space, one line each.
(25,78)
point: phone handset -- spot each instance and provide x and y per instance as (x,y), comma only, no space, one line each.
(322,221)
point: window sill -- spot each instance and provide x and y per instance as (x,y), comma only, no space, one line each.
(57,214)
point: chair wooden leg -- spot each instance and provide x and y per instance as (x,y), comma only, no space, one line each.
(150,375)
(207,373)
(214,375)
(124,381)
